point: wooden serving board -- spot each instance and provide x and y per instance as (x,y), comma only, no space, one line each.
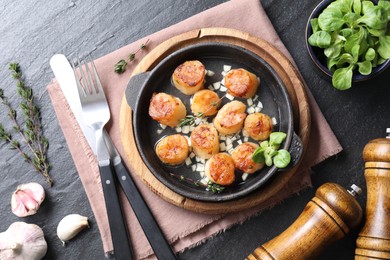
(287,72)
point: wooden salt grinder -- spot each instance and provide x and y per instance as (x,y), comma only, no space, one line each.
(373,241)
(328,217)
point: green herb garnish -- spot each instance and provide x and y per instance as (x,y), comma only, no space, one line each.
(190,119)
(353,34)
(35,145)
(214,188)
(121,65)
(269,153)
(210,186)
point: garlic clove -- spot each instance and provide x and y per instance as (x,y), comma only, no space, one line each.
(27,199)
(22,241)
(70,226)
(34,190)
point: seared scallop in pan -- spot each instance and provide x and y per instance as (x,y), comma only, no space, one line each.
(258,126)
(205,141)
(241,83)
(173,149)
(206,102)
(242,158)
(230,118)
(167,109)
(220,169)
(189,77)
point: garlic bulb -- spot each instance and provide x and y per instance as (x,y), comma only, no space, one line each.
(27,199)
(70,226)
(22,241)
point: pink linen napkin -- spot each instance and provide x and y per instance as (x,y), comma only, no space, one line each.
(182,228)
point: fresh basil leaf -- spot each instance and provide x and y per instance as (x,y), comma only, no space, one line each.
(277,138)
(314,25)
(384,47)
(258,155)
(342,78)
(370,54)
(365,67)
(357,6)
(320,39)
(282,158)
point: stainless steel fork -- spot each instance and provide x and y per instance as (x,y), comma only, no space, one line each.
(96,114)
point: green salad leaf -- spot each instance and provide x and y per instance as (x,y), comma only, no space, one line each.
(355,37)
(269,153)
(320,39)
(384,47)
(331,20)
(282,158)
(342,78)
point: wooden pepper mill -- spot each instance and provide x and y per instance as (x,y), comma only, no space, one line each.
(328,217)
(374,239)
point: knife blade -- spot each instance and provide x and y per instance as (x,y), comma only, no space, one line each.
(67,81)
(65,77)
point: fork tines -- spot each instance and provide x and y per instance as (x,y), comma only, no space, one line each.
(84,68)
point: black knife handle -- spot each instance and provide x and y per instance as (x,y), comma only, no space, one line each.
(145,217)
(119,234)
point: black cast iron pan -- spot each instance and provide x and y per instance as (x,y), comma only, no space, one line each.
(272,93)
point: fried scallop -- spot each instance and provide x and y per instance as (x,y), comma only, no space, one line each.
(205,141)
(205,101)
(189,77)
(241,83)
(220,169)
(242,158)
(166,109)
(230,118)
(258,126)
(173,149)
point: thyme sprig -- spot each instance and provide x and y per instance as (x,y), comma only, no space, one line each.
(210,186)
(121,65)
(32,133)
(191,119)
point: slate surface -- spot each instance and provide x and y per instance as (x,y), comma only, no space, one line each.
(32,31)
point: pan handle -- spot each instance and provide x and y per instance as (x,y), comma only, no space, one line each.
(296,151)
(134,88)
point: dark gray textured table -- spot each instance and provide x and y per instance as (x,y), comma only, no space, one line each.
(32,31)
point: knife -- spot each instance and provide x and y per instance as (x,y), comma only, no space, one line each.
(67,81)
